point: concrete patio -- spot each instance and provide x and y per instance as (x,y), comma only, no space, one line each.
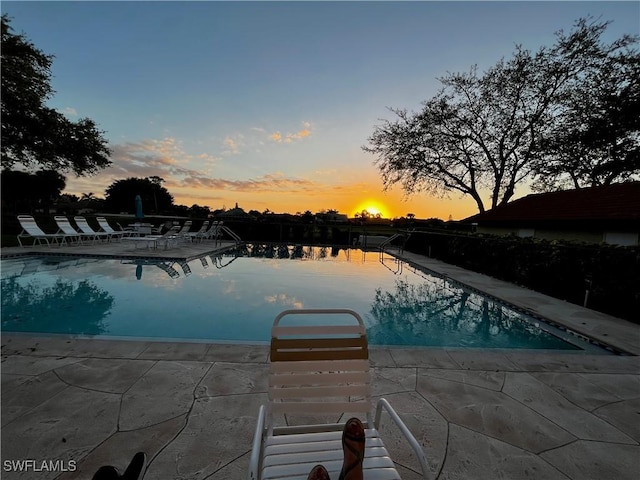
(192,407)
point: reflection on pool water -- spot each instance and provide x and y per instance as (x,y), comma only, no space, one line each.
(235,296)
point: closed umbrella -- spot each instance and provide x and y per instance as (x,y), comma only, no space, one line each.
(139,214)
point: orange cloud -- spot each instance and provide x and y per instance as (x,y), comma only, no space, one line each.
(233,144)
(266,183)
(290,137)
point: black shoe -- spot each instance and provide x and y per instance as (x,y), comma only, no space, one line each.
(133,472)
(106,473)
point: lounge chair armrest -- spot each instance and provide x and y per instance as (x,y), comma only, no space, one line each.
(383,404)
(254,461)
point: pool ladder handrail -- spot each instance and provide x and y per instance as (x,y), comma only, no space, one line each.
(231,233)
(391,239)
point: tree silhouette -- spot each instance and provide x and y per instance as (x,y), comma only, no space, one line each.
(23,192)
(32,133)
(532,116)
(120,195)
(33,308)
(437,313)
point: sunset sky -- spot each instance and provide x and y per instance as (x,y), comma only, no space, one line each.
(268,104)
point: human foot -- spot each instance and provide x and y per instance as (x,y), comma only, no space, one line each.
(353,439)
(318,473)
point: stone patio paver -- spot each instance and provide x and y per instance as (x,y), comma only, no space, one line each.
(234,379)
(623,415)
(596,460)
(151,440)
(556,408)
(591,390)
(110,375)
(493,414)
(67,426)
(472,455)
(219,430)
(22,393)
(153,399)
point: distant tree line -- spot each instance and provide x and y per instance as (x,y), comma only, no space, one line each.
(28,193)
(24,192)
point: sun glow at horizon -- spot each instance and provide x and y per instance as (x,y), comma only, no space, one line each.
(373,207)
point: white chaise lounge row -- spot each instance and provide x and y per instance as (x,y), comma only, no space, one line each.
(67,234)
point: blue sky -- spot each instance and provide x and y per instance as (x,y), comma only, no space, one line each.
(268,103)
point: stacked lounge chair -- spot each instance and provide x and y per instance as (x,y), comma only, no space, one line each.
(200,232)
(212,233)
(183,233)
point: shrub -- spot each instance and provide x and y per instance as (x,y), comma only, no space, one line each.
(564,270)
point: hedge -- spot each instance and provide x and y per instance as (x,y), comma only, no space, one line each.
(564,270)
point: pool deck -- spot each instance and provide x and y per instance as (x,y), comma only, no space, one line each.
(479,414)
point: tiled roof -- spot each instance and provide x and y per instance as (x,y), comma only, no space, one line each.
(620,201)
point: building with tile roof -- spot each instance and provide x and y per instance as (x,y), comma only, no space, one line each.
(609,213)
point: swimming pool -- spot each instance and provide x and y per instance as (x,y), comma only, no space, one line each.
(233,297)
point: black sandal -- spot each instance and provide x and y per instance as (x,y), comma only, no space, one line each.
(353,432)
(135,469)
(133,472)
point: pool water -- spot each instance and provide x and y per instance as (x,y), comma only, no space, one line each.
(234,297)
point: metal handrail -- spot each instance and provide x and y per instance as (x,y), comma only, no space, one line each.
(390,239)
(231,233)
(387,242)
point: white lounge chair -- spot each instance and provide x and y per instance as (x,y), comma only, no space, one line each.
(320,369)
(65,227)
(216,233)
(213,232)
(85,228)
(201,231)
(104,225)
(168,268)
(30,229)
(183,233)
(185,267)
